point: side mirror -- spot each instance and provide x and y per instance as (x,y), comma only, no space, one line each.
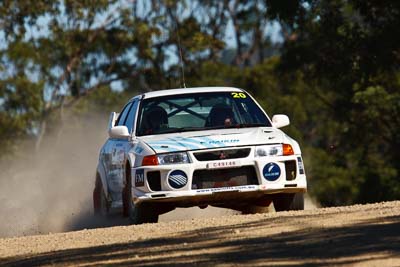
(119,132)
(280,120)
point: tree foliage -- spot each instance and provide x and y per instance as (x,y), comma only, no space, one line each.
(335,71)
(349,51)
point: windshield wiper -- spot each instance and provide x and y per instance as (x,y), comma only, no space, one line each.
(246,125)
(239,125)
(188,129)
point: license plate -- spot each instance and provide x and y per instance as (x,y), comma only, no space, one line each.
(224,164)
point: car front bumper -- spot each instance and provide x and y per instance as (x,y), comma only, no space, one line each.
(221,197)
(219,194)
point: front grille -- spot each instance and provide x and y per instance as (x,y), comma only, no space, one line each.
(222,154)
(154,180)
(290,168)
(203,179)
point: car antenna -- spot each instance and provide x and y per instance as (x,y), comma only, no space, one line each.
(180,54)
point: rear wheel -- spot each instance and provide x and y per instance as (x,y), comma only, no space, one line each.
(126,197)
(100,203)
(285,202)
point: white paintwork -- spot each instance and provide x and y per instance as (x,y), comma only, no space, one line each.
(119,132)
(124,149)
(210,139)
(180,91)
(280,120)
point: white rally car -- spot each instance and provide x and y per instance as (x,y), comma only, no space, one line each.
(197,147)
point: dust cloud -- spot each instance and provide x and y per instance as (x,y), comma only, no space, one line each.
(50,189)
(47,189)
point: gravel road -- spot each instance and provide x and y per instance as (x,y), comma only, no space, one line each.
(361,235)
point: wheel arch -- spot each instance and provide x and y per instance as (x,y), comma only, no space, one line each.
(125,193)
(129,163)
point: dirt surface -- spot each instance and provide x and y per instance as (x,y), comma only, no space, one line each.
(361,235)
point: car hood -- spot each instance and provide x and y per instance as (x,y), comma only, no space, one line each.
(213,139)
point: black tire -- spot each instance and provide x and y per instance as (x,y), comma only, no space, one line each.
(286,202)
(100,203)
(139,214)
(142,214)
(126,197)
(254,209)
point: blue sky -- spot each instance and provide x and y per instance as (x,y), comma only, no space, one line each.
(40,29)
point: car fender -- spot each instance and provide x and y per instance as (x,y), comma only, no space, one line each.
(130,161)
(294,144)
(138,151)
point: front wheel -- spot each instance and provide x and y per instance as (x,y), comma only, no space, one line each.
(254,209)
(138,214)
(286,202)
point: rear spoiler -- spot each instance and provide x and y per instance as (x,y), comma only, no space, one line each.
(112,119)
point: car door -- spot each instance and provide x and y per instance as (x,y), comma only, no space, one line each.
(119,152)
(114,155)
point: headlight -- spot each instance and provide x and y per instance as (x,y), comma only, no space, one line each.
(269,150)
(173,158)
(274,150)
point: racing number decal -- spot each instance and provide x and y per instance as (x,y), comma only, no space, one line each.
(238,95)
(139,177)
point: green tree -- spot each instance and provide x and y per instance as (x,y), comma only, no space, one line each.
(348,51)
(336,73)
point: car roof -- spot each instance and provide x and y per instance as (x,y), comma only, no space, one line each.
(180,91)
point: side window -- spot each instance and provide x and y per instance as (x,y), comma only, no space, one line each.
(122,116)
(129,122)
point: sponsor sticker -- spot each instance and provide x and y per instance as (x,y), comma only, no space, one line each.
(139,177)
(238,95)
(177,179)
(138,149)
(271,171)
(229,188)
(224,164)
(300,165)
(224,141)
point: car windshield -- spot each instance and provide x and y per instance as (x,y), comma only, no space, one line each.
(199,111)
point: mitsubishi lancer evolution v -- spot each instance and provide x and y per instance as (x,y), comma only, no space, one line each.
(197,147)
